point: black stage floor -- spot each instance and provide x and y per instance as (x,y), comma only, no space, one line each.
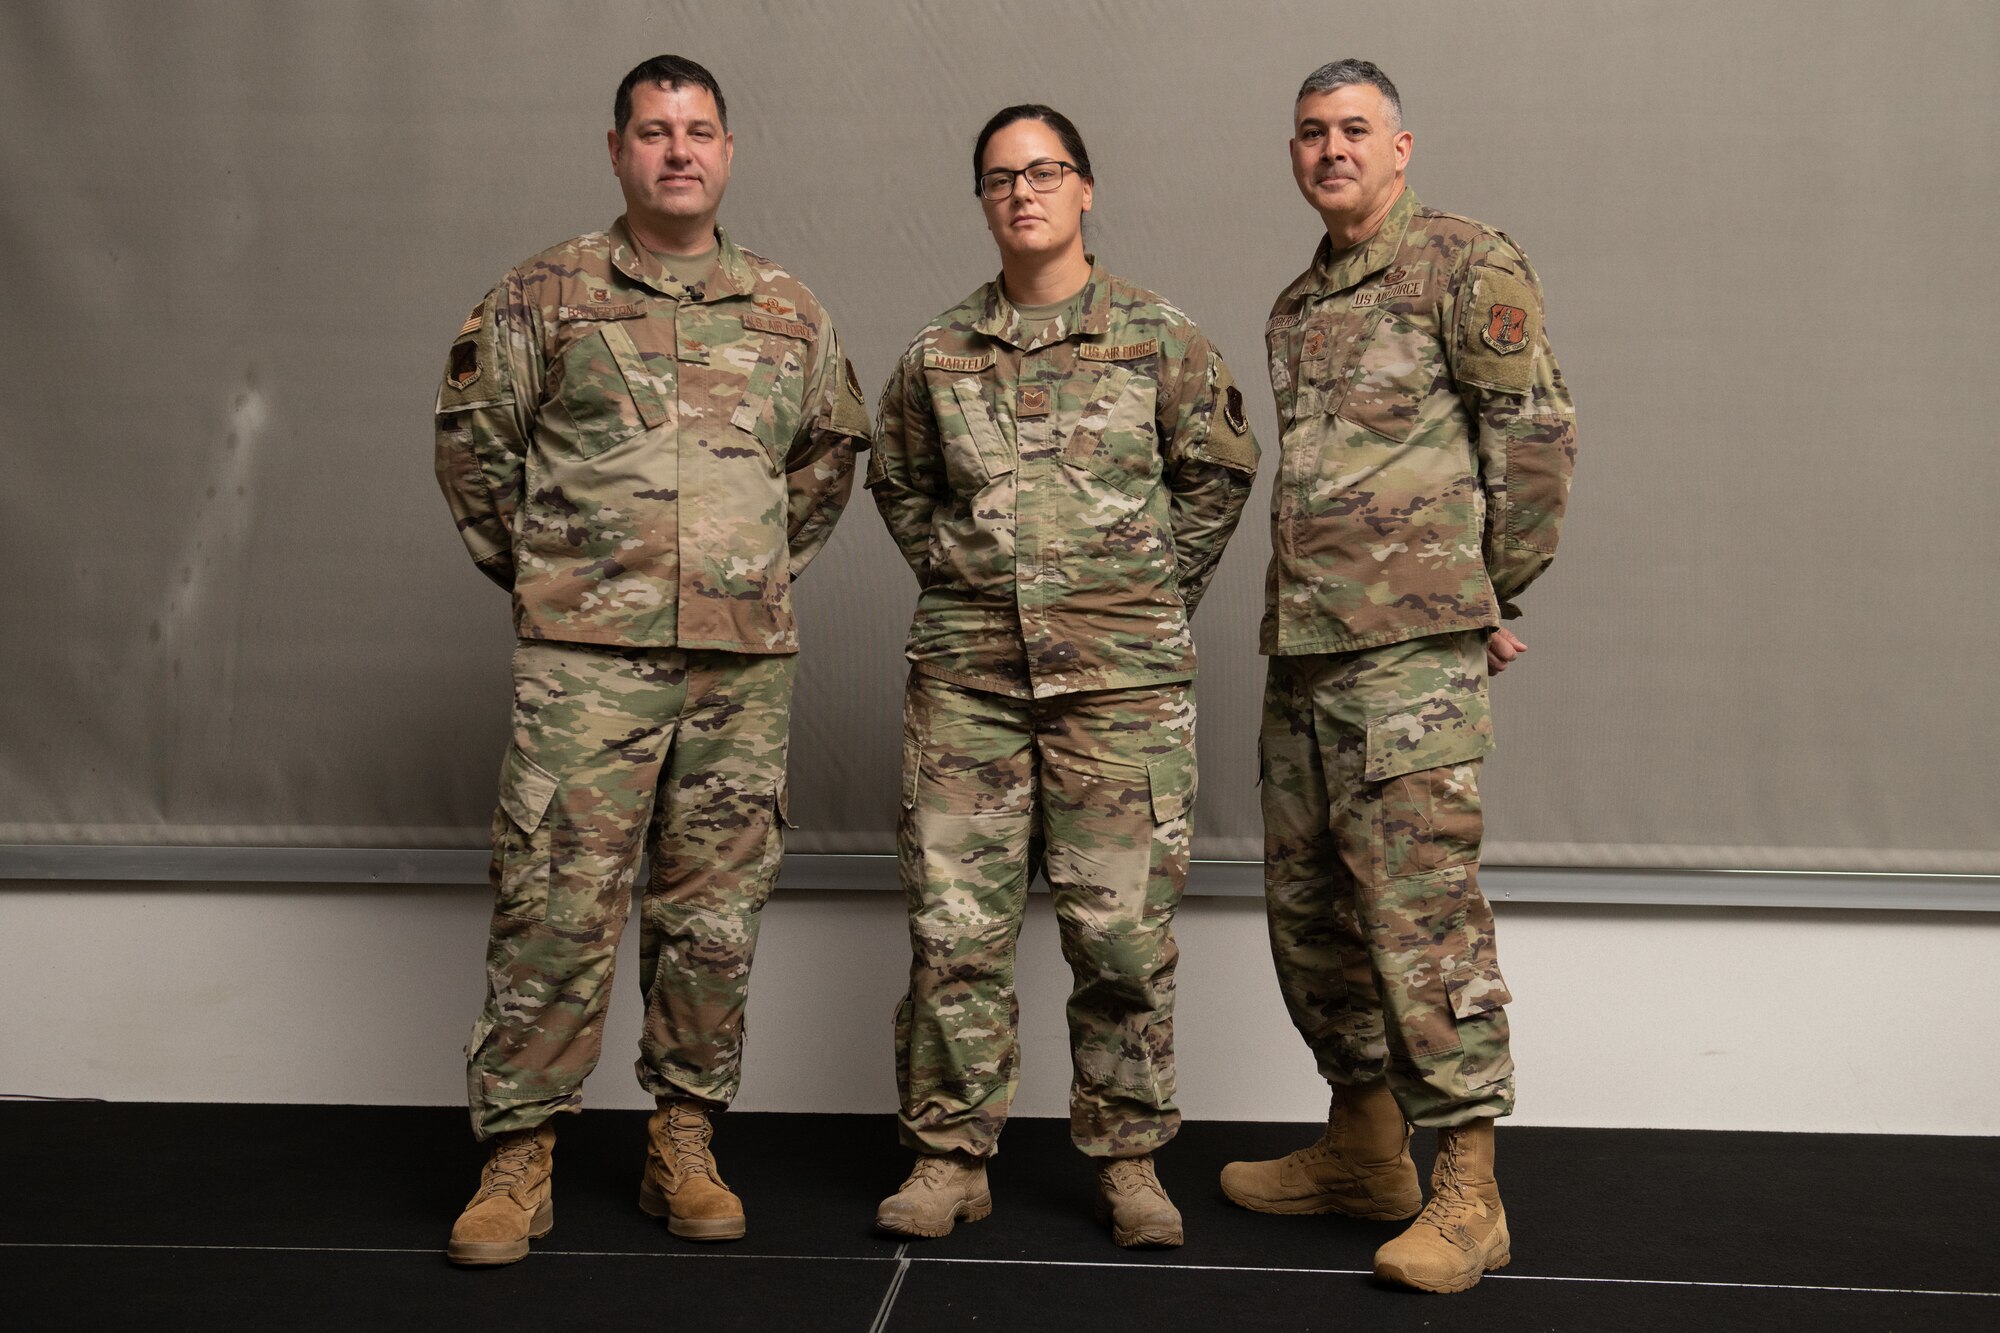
(319,1217)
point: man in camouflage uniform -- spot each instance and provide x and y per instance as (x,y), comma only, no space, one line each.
(645,434)
(1428,441)
(1063,482)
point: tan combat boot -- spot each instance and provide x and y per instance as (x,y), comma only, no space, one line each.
(943,1188)
(681,1182)
(1361,1166)
(1462,1232)
(1131,1198)
(515,1202)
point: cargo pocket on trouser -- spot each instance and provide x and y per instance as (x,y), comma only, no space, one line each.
(521,835)
(1431,937)
(1117,837)
(1422,768)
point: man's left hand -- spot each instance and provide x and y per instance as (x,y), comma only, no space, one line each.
(1502,648)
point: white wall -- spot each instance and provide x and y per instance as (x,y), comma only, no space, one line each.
(1723,1019)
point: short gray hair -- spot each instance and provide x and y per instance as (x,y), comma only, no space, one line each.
(1341,73)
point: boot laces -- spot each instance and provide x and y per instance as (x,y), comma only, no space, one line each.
(509,1166)
(1130,1175)
(931,1169)
(1451,1204)
(1323,1148)
(688,1130)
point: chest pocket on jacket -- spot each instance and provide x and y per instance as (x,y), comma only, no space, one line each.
(975,452)
(606,394)
(1397,369)
(774,392)
(1116,440)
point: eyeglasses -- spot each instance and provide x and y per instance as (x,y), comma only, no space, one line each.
(1043,178)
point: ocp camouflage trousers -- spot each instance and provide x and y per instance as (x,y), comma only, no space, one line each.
(613,749)
(1382,939)
(1094,789)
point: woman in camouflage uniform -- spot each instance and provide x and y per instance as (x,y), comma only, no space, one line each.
(1061,457)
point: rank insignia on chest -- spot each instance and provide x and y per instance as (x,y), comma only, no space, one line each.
(1032,401)
(1506,328)
(1315,345)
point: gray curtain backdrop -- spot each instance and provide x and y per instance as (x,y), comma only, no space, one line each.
(244,234)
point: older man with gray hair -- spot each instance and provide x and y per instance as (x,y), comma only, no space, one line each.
(1427,444)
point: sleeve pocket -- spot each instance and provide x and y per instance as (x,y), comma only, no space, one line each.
(521,855)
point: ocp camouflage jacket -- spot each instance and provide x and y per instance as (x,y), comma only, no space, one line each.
(1062,490)
(645,464)
(1428,437)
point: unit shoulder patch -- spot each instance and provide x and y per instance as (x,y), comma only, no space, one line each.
(1232,410)
(1232,448)
(1120,352)
(850,411)
(1499,318)
(1506,328)
(463,371)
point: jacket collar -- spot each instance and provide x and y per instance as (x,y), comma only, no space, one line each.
(999,319)
(729,274)
(1338,271)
